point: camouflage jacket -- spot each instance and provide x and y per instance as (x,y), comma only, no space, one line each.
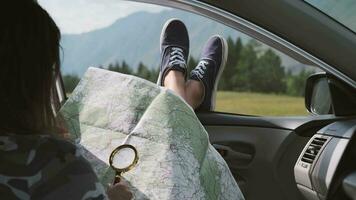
(43,167)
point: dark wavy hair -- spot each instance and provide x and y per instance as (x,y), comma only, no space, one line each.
(29,65)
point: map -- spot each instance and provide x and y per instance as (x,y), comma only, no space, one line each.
(176,160)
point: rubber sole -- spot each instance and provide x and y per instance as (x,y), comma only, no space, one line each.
(221,70)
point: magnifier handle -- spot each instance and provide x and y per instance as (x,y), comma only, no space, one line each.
(117,179)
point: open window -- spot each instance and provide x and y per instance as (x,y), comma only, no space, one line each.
(124,37)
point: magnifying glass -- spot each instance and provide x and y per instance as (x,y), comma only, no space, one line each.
(123,159)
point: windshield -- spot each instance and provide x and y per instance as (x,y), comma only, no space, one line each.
(343,11)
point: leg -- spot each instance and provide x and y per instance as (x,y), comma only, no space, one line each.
(173,69)
(192,91)
(200,91)
(175,81)
(209,70)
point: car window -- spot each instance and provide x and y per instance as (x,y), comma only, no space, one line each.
(124,37)
(341,11)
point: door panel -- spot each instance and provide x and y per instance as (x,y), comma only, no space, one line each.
(258,175)
(261,152)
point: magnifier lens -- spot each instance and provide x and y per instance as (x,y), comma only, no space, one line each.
(123,158)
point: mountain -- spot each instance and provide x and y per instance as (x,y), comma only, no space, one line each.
(135,38)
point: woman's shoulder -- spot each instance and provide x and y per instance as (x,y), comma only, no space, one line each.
(44,146)
(45,163)
(31,153)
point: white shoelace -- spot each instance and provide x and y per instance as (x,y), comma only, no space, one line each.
(177,57)
(200,69)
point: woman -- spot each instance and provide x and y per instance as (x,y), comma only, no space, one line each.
(36,163)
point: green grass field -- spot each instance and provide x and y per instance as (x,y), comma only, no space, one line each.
(260,104)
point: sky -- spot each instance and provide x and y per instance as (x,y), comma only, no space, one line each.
(79,16)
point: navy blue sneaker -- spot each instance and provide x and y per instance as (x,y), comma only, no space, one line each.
(209,70)
(174,49)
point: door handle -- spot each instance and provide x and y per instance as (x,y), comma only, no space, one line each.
(226,151)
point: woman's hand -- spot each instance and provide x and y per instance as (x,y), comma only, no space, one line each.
(119,191)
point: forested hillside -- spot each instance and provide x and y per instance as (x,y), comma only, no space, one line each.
(249,69)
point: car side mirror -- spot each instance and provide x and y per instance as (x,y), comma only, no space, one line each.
(318,99)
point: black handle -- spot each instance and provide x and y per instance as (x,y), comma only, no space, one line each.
(226,151)
(117,179)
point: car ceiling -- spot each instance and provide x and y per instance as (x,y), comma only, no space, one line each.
(302,25)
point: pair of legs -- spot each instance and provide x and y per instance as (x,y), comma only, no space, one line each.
(191,91)
(197,88)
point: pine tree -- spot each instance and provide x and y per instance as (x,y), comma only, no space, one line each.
(268,74)
(296,83)
(234,51)
(154,75)
(143,71)
(243,76)
(125,68)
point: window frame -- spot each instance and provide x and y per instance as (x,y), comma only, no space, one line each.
(60,92)
(244,26)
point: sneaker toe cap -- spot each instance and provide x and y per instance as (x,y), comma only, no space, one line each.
(176,33)
(214,49)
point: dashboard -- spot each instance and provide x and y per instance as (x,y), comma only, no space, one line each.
(326,168)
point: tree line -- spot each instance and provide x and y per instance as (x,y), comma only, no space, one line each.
(249,68)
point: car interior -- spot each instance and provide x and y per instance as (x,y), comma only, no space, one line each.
(303,157)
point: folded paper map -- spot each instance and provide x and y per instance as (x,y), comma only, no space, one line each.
(176,160)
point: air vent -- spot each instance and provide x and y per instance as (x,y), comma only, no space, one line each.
(313,149)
